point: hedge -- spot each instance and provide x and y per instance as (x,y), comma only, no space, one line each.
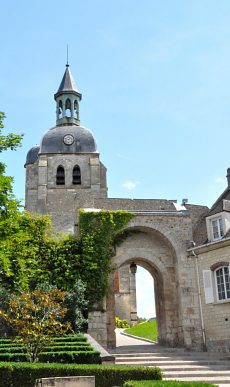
(25,374)
(65,348)
(58,348)
(67,338)
(70,338)
(80,357)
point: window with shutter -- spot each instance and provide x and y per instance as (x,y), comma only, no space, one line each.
(208,288)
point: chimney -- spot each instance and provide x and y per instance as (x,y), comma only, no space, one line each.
(228,177)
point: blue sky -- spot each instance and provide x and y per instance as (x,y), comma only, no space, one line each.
(155,81)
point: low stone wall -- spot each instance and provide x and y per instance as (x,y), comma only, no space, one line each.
(105,356)
(68,381)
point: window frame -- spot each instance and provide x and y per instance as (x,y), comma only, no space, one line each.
(225,283)
(220,227)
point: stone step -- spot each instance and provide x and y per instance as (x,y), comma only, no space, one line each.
(196,355)
(165,362)
(207,373)
(175,366)
(223,381)
(178,366)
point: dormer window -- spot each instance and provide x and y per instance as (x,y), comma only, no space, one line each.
(60,176)
(217,228)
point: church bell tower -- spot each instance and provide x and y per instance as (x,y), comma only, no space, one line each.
(64,173)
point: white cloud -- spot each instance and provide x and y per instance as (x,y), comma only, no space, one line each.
(130,184)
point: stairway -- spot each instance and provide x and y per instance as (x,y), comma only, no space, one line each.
(178,364)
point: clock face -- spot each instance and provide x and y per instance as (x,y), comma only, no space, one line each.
(68,139)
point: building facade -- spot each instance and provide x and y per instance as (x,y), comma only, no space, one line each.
(186,248)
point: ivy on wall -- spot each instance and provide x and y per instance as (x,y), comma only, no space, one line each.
(30,255)
(98,231)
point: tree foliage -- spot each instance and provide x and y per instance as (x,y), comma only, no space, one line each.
(8,204)
(9,141)
(30,255)
(37,316)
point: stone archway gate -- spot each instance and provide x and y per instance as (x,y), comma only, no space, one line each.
(159,244)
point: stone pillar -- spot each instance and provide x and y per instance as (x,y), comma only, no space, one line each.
(110,308)
(133,299)
(97,324)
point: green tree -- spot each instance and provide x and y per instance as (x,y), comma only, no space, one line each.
(24,239)
(7,200)
(37,316)
(76,305)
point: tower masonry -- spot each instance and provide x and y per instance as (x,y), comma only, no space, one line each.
(64,172)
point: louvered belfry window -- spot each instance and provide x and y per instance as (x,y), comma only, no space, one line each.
(76,175)
(60,176)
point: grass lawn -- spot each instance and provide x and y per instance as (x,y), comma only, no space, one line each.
(164,383)
(147,330)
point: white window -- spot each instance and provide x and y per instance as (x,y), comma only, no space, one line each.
(217,228)
(222,283)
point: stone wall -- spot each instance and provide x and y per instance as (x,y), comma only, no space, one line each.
(43,195)
(125,297)
(216,314)
(161,247)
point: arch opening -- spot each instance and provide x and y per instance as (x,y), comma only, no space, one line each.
(60,110)
(151,251)
(60,175)
(75,109)
(68,108)
(76,175)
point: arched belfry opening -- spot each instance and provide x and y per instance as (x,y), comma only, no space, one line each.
(68,108)
(60,110)
(76,175)
(60,175)
(76,109)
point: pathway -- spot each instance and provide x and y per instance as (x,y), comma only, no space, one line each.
(175,363)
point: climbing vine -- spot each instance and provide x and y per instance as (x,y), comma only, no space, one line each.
(98,231)
(30,255)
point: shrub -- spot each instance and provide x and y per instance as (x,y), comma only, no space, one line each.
(121,323)
(25,374)
(80,357)
(67,348)
(70,338)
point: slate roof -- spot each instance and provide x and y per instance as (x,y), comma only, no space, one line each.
(68,84)
(218,205)
(32,155)
(84,141)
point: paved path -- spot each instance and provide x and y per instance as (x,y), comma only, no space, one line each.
(123,340)
(176,363)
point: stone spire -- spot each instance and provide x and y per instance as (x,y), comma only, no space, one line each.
(67,100)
